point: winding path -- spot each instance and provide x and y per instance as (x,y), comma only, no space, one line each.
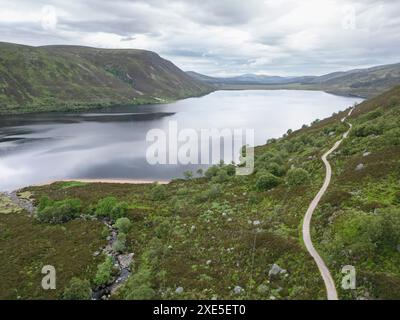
(323,269)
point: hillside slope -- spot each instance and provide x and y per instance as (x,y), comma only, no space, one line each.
(58,78)
(239,237)
(365,83)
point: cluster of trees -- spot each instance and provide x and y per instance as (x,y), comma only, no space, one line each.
(54,212)
(111,208)
(50,211)
(294,177)
(271,171)
(220,173)
(363,235)
(105,271)
(123,225)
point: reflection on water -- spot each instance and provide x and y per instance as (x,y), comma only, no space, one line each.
(111,144)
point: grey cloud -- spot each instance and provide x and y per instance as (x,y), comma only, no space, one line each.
(284,37)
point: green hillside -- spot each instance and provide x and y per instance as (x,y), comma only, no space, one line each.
(366,83)
(59,78)
(219,235)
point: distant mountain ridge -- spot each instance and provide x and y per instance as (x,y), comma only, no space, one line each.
(62,78)
(360,82)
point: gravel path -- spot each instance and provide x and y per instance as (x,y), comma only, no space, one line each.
(323,269)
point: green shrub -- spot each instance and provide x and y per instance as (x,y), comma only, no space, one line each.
(44,202)
(105,206)
(297,177)
(120,244)
(230,169)
(158,192)
(221,176)
(393,137)
(188,175)
(104,272)
(366,130)
(364,235)
(119,210)
(58,211)
(123,225)
(396,199)
(267,182)
(138,286)
(182,191)
(77,290)
(110,208)
(373,115)
(211,172)
(105,232)
(276,169)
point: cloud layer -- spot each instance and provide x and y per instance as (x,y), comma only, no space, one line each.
(224,37)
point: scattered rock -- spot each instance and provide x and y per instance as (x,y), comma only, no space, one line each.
(359,167)
(125,260)
(366,154)
(275,270)
(96,253)
(238,290)
(208,262)
(256,222)
(179,290)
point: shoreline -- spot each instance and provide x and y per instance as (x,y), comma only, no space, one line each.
(110,180)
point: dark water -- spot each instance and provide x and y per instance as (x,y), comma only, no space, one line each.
(112,144)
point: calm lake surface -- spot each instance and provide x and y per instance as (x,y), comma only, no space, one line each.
(110,144)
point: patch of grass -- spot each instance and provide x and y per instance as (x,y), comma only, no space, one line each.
(72,184)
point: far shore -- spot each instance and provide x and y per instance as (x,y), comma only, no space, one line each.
(119,181)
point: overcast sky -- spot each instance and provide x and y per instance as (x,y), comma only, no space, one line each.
(219,37)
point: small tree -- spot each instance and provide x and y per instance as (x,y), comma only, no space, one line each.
(188,175)
(58,211)
(138,286)
(77,290)
(105,206)
(104,272)
(297,177)
(123,225)
(200,172)
(158,192)
(267,182)
(221,176)
(111,208)
(211,171)
(276,169)
(120,244)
